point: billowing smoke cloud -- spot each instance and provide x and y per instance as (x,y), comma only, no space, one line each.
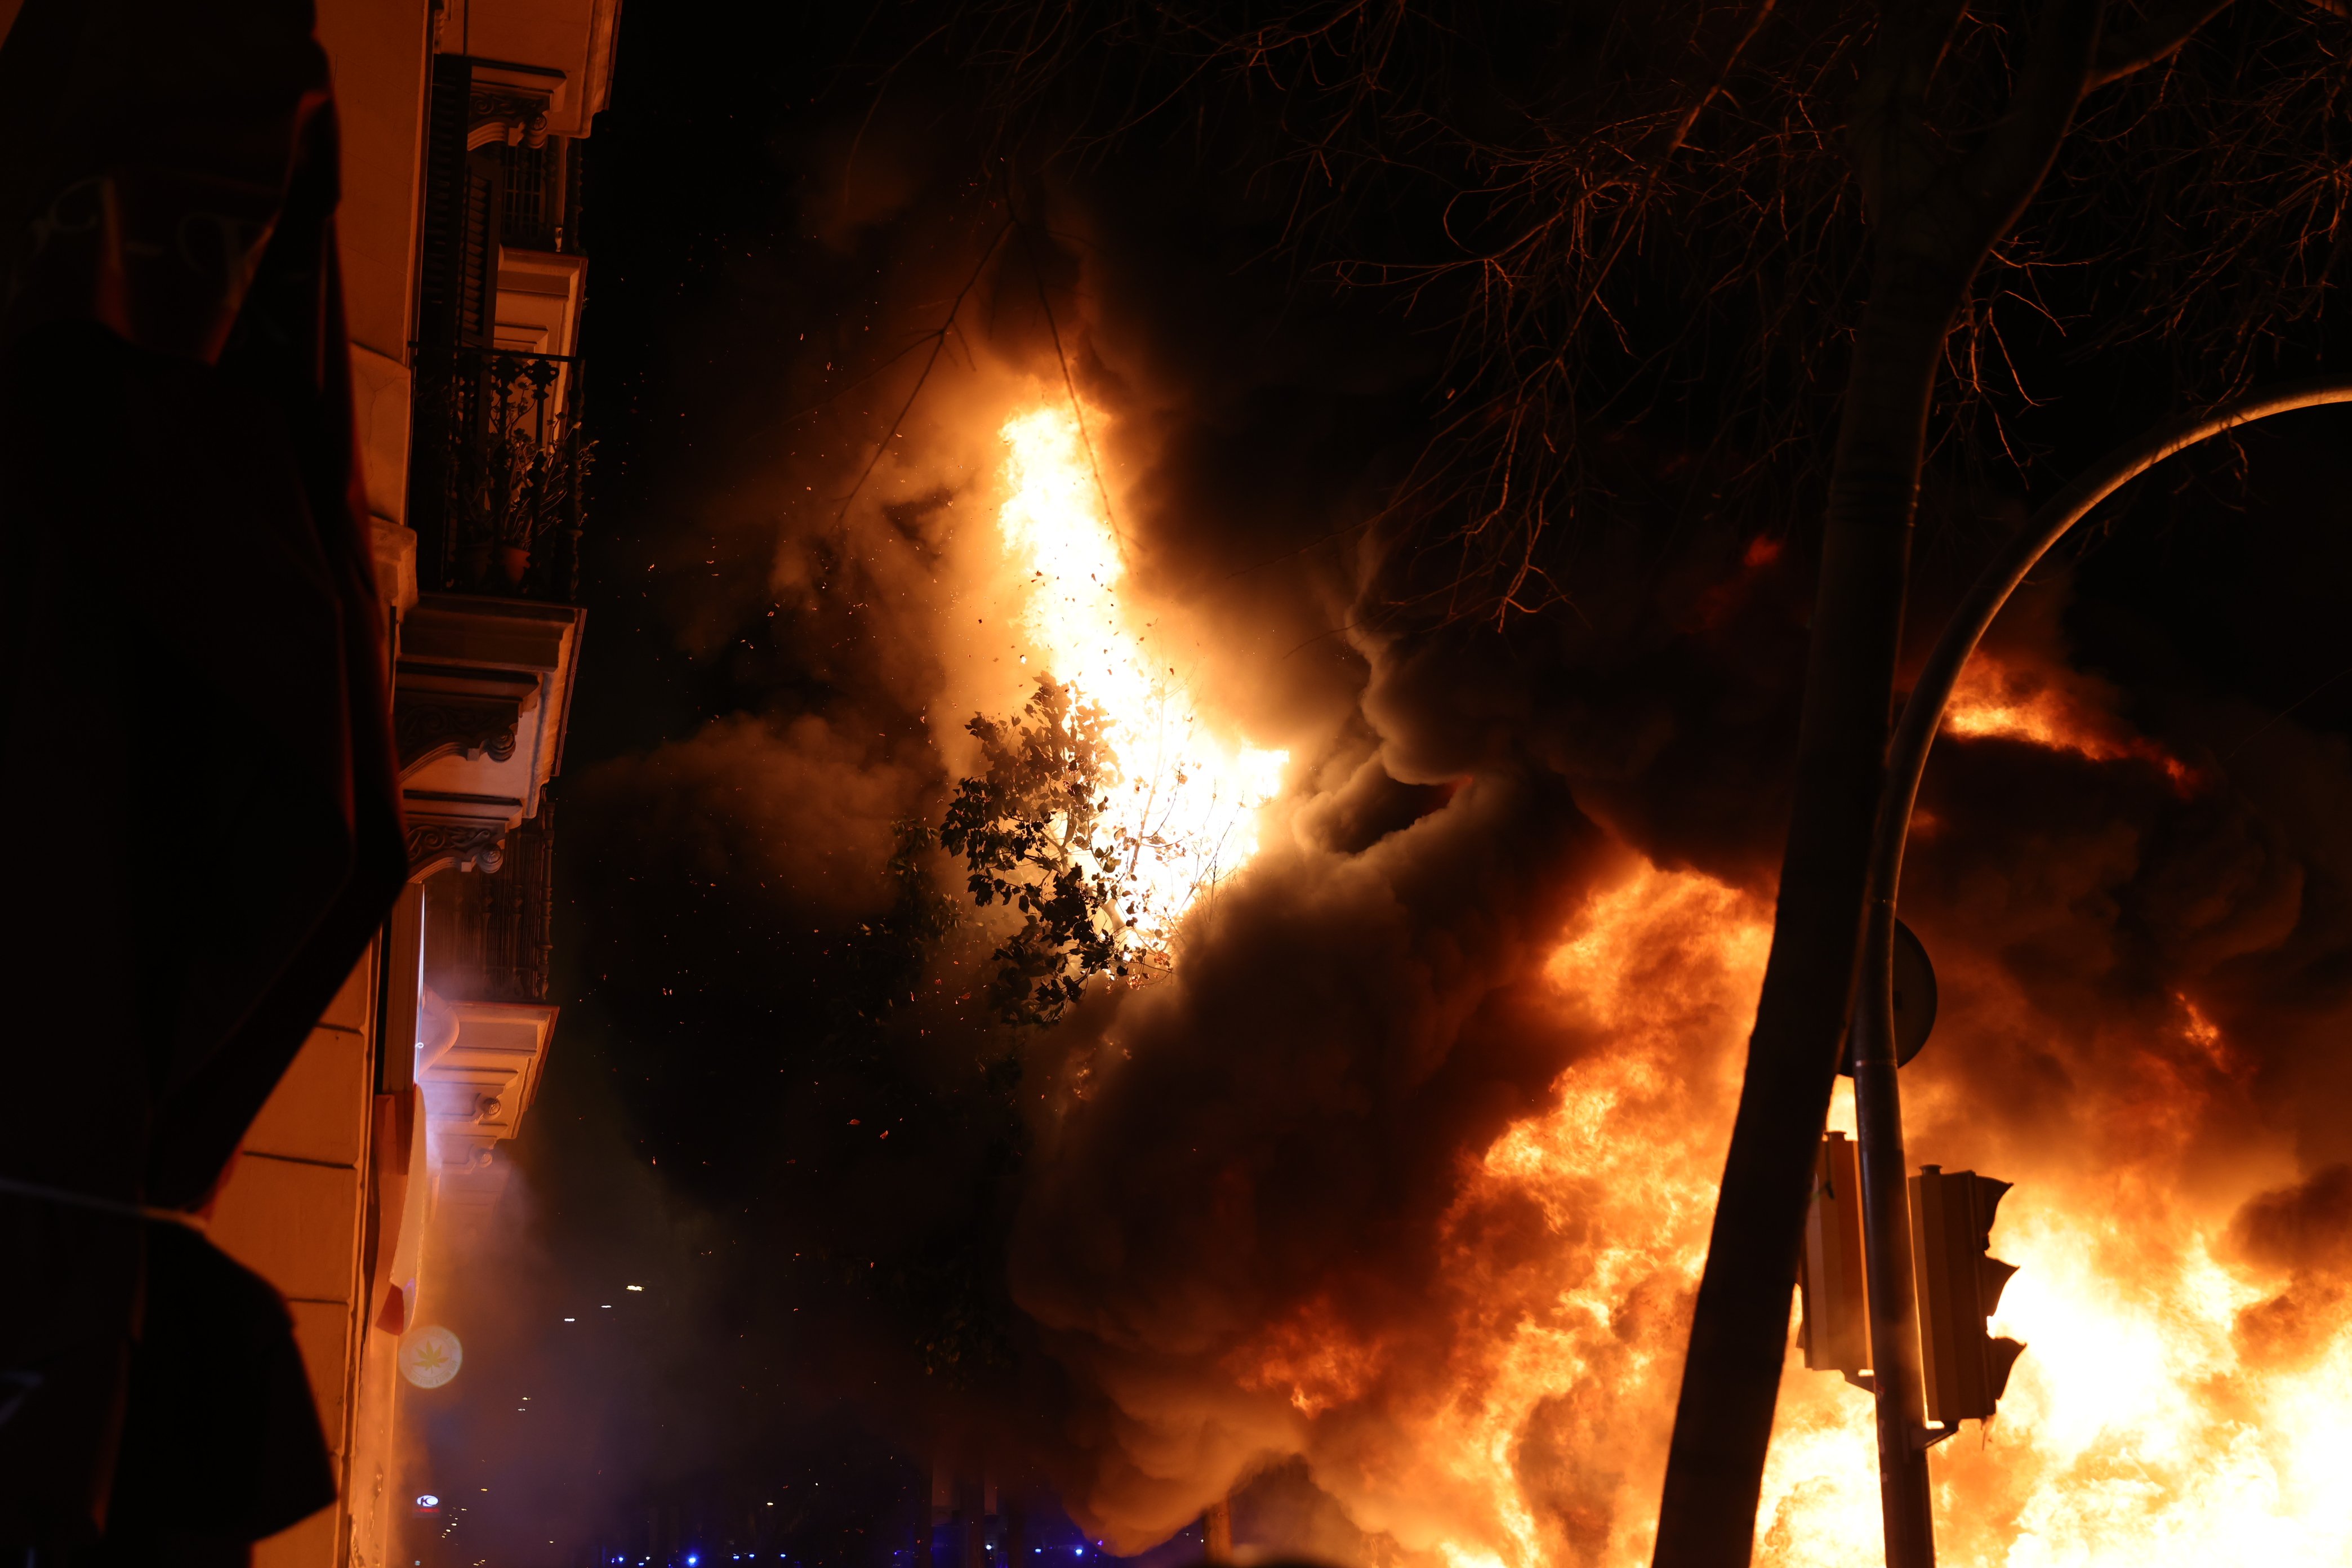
(1278,1129)
(802,804)
(1385,1207)
(1285,1224)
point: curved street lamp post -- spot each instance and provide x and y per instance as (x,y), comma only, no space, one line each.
(1904,1436)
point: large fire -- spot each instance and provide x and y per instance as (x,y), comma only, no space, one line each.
(1185,798)
(2175,1405)
(2151,1421)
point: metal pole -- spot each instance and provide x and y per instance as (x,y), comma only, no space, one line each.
(1903,1495)
(1878,1107)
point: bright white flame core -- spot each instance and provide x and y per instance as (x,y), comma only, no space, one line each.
(1185,797)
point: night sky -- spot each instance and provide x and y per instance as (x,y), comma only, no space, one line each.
(863,1230)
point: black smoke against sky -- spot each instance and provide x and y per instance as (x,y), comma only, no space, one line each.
(751,724)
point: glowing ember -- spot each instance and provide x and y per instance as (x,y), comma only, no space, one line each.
(1185,800)
(1992,701)
(2174,1408)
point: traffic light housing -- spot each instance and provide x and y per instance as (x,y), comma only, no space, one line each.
(1835,1330)
(1958,1287)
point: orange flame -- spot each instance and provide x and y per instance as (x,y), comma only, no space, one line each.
(1185,797)
(1311,1360)
(2059,713)
(2151,1423)
(2175,1406)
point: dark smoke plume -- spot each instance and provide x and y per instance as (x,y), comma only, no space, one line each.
(1259,1224)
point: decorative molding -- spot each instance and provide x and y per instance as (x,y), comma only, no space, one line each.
(470,846)
(468,645)
(510,103)
(498,116)
(475,1093)
(429,724)
(479,699)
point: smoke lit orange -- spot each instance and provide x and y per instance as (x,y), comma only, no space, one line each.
(1992,699)
(2149,1424)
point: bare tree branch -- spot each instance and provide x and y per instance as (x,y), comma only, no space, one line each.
(1738,136)
(2008,168)
(2159,37)
(939,341)
(1061,358)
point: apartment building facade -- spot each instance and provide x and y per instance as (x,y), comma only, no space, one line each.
(465,134)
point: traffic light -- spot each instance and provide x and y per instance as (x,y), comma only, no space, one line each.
(1958,1287)
(1835,1331)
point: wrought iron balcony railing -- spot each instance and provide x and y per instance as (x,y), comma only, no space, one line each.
(489,934)
(497,470)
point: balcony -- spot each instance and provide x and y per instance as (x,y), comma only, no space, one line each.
(480,697)
(497,470)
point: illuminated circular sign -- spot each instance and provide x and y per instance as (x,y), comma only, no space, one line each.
(426,1499)
(430,1356)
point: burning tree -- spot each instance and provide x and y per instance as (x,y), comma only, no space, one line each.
(1734,230)
(1101,864)
(1106,809)
(1036,834)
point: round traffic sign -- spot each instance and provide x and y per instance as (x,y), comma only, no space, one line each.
(1914,1000)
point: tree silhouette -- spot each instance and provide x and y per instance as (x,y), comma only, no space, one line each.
(1034,837)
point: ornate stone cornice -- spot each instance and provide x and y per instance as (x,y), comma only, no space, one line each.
(426,725)
(470,846)
(442,708)
(510,102)
(479,697)
(495,116)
